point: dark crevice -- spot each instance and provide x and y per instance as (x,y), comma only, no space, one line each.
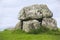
(21,24)
(40,20)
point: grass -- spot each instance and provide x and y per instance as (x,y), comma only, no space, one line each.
(20,35)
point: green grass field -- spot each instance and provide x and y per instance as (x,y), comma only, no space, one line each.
(19,35)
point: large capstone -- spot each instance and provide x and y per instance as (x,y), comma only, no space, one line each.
(34,12)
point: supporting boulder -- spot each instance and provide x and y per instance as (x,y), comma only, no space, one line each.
(49,23)
(31,24)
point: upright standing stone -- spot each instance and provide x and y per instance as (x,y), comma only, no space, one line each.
(49,23)
(31,24)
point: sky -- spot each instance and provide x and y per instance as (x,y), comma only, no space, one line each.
(9,10)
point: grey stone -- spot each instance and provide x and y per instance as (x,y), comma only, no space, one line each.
(34,17)
(32,14)
(35,12)
(46,13)
(18,25)
(49,23)
(31,24)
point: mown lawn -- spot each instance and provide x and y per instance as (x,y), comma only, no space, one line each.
(18,35)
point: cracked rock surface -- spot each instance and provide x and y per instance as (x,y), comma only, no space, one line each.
(34,17)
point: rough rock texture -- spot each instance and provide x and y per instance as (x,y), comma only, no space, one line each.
(31,24)
(35,12)
(18,25)
(34,17)
(49,23)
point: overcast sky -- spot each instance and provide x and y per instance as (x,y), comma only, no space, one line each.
(9,10)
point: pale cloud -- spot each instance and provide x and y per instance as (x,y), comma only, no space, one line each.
(9,3)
